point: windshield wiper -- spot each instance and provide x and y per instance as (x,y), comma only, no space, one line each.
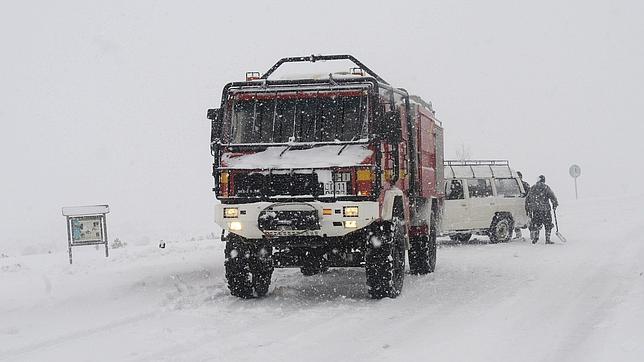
(345,146)
(285,149)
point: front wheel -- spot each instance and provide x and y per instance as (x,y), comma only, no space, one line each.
(385,260)
(248,269)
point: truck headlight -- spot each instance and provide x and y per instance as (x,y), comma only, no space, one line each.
(231,212)
(235,226)
(351,224)
(350,211)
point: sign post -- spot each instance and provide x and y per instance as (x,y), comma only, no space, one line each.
(575,171)
(86,225)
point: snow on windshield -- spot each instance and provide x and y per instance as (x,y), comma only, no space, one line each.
(316,157)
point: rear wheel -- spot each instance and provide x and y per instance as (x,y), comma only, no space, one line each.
(501,229)
(419,255)
(385,260)
(432,249)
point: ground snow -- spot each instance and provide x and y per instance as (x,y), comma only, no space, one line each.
(580,301)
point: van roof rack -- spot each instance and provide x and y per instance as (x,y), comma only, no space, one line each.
(502,168)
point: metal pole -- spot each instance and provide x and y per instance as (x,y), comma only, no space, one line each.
(576,196)
(105,232)
(69,241)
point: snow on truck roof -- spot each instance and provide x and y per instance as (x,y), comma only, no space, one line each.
(478,169)
(335,75)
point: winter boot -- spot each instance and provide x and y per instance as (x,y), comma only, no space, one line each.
(517,234)
(534,236)
(548,238)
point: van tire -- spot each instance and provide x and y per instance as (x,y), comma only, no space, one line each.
(501,229)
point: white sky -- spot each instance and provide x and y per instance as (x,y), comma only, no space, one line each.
(105,102)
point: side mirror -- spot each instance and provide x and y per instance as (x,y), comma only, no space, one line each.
(214,115)
(389,126)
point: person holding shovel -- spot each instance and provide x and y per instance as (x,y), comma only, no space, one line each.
(538,206)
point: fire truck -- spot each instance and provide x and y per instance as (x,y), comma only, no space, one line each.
(340,170)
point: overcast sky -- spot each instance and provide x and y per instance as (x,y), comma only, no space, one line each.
(105,102)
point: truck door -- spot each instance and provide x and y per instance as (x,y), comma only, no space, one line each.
(481,202)
(455,212)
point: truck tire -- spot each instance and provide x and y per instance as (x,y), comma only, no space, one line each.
(261,266)
(248,272)
(501,229)
(313,264)
(432,250)
(385,260)
(419,255)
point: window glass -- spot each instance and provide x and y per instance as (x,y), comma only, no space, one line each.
(320,118)
(507,187)
(454,190)
(480,187)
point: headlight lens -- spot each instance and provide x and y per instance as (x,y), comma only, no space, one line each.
(231,212)
(351,224)
(235,226)
(350,211)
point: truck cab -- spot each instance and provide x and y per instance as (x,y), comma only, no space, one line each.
(318,172)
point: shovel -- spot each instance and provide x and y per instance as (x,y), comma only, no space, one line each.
(561,237)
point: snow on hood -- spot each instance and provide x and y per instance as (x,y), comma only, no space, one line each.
(315,157)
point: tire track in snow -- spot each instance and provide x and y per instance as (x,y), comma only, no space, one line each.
(64,339)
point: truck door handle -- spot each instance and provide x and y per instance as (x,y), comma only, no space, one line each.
(464,205)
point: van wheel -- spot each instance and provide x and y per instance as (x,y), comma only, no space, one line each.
(501,229)
(385,260)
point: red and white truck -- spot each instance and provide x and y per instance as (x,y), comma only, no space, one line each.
(316,172)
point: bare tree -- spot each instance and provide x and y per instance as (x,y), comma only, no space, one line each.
(463,153)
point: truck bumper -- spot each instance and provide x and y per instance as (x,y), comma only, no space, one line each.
(331,220)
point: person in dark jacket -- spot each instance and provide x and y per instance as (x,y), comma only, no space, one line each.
(526,188)
(538,206)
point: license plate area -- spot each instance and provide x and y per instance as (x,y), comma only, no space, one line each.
(278,219)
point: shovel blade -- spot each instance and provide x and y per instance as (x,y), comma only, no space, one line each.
(561,237)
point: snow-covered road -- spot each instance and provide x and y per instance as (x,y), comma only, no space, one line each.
(580,301)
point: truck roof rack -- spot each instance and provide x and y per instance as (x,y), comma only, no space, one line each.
(477,168)
(315,58)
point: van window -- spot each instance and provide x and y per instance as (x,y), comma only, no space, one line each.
(507,187)
(480,187)
(454,190)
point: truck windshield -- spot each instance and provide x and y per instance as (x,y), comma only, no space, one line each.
(298,117)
